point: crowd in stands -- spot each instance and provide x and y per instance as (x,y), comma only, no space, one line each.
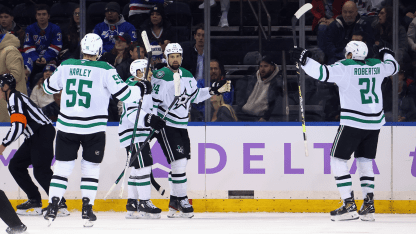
(32,47)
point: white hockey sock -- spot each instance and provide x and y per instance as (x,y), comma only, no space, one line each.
(178,179)
(132,190)
(89,180)
(143,182)
(59,181)
(365,168)
(342,177)
(172,193)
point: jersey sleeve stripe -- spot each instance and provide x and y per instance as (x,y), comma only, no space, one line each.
(197,92)
(327,73)
(320,73)
(395,67)
(126,96)
(50,88)
(156,100)
(28,49)
(46,90)
(121,91)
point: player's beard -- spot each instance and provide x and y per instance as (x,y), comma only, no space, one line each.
(175,67)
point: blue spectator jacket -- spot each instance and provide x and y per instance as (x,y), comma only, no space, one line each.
(108,31)
(41,43)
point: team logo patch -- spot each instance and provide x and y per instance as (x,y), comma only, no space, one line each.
(97,152)
(160,74)
(180,149)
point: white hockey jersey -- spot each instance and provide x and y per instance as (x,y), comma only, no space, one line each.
(163,94)
(86,89)
(359,88)
(128,117)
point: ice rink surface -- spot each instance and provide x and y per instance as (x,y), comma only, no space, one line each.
(215,223)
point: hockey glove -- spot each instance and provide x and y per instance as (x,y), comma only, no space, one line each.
(299,55)
(219,87)
(385,50)
(154,122)
(145,87)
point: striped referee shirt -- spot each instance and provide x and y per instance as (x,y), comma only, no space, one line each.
(26,117)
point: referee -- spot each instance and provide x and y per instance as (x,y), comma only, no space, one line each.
(37,149)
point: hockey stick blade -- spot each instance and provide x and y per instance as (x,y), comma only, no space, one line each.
(303,10)
(146,41)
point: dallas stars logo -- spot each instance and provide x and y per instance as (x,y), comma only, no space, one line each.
(183,100)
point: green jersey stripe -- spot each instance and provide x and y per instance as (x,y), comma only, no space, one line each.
(82,125)
(367,185)
(178,181)
(363,120)
(129,137)
(171,120)
(138,184)
(126,96)
(321,73)
(44,88)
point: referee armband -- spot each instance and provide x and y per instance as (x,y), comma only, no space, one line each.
(18,118)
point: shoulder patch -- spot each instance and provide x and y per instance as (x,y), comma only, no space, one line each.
(160,74)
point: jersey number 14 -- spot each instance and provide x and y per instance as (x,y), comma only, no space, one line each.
(367,82)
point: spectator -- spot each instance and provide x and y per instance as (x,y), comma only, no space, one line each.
(72,36)
(139,10)
(43,42)
(411,38)
(113,25)
(221,112)
(157,57)
(225,7)
(53,108)
(158,28)
(120,52)
(135,52)
(193,53)
(383,30)
(339,32)
(7,24)
(362,36)
(38,96)
(368,7)
(217,73)
(324,12)
(11,61)
(262,92)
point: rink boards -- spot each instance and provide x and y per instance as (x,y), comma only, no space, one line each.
(250,167)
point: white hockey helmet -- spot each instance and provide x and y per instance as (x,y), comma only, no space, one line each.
(172,48)
(358,49)
(92,44)
(138,64)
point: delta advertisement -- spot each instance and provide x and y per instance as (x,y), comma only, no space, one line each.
(267,160)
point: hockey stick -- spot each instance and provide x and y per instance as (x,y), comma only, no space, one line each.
(295,19)
(149,56)
(176,78)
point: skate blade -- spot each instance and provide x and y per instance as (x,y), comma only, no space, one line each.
(131,215)
(50,220)
(368,217)
(63,212)
(144,215)
(88,223)
(345,217)
(178,214)
(30,212)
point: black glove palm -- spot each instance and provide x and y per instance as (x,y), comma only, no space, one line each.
(154,122)
(215,86)
(299,55)
(145,87)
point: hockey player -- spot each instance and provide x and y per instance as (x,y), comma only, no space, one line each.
(140,176)
(86,86)
(29,120)
(359,81)
(174,138)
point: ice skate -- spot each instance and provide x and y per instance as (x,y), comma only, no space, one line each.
(52,211)
(367,209)
(348,211)
(182,206)
(14,230)
(87,213)
(131,207)
(31,207)
(62,210)
(148,211)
